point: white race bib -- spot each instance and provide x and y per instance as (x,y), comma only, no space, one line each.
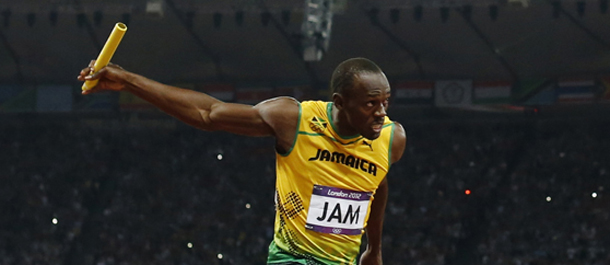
(337,211)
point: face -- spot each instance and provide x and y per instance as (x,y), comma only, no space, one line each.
(366,104)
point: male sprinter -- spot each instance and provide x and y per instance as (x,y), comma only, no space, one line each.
(332,157)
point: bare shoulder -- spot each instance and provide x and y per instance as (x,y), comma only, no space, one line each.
(278,108)
(282,115)
(278,100)
(399,142)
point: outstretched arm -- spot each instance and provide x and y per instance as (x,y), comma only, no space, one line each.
(276,117)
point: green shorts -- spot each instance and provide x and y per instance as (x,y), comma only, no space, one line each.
(278,256)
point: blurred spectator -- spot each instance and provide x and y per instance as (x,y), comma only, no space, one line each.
(76,193)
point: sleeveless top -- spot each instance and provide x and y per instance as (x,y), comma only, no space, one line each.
(324,189)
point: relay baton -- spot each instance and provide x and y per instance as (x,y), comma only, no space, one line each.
(106,54)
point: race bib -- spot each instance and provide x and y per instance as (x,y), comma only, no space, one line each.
(337,211)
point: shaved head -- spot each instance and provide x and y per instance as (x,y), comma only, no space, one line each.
(346,72)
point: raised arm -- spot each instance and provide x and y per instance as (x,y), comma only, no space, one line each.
(269,118)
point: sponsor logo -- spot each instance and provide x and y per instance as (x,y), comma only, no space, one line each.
(370,145)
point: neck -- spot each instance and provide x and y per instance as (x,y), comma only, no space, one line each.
(340,122)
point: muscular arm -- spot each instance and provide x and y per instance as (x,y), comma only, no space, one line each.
(198,109)
(374,228)
(276,117)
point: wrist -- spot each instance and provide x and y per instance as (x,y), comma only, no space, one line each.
(131,81)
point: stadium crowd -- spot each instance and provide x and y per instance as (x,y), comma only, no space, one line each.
(467,192)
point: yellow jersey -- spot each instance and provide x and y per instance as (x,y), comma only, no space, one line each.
(324,189)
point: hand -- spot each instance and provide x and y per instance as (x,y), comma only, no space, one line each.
(371,258)
(111,77)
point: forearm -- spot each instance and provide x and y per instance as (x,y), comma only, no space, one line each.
(186,105)
(374,228)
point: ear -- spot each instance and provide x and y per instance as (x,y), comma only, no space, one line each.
(338,101)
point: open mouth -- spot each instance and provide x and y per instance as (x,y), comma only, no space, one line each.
(377,127)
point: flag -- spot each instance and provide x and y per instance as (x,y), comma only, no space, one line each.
(54,98)
(453,93)
(413,93)
(253,95)
(527,88)
(545,96)
(492,92)
(576,91)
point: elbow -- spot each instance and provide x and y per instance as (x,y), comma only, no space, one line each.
(205,121)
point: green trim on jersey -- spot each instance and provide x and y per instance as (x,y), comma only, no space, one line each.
(296,134)
(390,147)
(329,112)
(332,138)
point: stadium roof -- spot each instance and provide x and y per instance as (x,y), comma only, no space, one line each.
(181,42)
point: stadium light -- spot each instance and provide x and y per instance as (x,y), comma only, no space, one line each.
(316,29)
(155,8)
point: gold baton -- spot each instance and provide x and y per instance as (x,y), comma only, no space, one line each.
(106,54)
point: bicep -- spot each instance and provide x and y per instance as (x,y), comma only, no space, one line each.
(237,118)
(273,117)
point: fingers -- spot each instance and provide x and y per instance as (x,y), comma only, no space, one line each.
(109,77)
(115,66)
(96,75)
(89,70)
(84,73)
